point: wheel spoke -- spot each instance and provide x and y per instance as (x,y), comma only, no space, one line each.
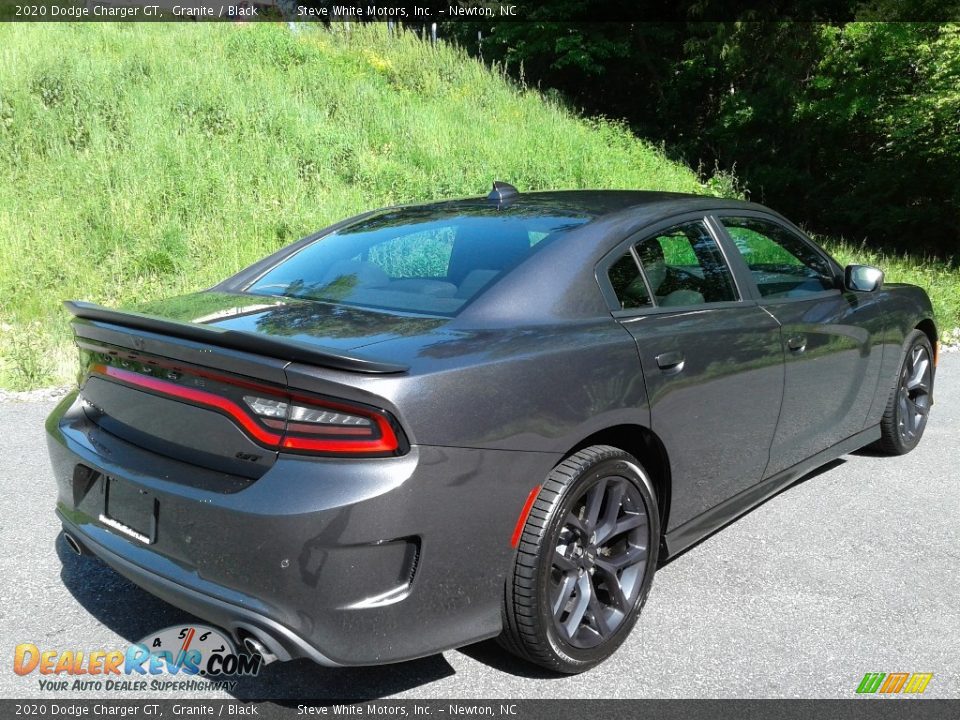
(612,584)
(584,593)
(904,411)
(605,529)
(631,556)
(918,375)
(597,613)
(594,503)
(630,522)
(573,521)
(916,406)
(563,596)
(562,562)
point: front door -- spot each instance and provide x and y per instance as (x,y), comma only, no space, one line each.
(832,363)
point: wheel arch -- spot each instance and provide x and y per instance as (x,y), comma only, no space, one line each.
(929,328)
(645,446)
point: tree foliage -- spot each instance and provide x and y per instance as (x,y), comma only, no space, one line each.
(853,128)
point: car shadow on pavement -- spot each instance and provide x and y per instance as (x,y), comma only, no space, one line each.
(870,451)
(491,654)
(132,613)
(833,464)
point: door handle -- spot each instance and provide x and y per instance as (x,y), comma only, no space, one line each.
(670,362)
(798,343)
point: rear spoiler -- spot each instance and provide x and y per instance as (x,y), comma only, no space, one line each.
(291,350)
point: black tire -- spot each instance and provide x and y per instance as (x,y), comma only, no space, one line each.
(911,397)
(569,564)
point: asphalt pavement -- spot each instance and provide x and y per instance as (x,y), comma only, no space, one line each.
(854,569)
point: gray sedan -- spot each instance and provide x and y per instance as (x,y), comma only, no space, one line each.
(430,425)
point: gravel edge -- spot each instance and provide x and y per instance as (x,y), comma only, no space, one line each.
(38,395)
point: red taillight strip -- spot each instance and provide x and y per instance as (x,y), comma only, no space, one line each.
(524,514)
(380,445)
(199,397)
(313,429)
(386,443)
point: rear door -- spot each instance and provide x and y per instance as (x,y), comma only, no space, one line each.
(711,359)
(832,361)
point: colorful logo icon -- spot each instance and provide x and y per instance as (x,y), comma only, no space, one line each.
(197,649)
(893,683)
(177,650)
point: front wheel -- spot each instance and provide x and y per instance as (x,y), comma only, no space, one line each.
(905,416)
(585,562)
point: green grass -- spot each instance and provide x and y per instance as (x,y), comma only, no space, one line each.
(140,161)
(940,278)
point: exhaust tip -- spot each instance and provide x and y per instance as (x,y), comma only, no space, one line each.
(73,544)
(258,648)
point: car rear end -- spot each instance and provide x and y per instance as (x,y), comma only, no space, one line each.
(289,516)
(257,455)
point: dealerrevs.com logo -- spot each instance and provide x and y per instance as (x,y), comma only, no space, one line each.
(190,652)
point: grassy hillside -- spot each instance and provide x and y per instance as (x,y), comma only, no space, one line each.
(141,161)
(940,279)
(146,160)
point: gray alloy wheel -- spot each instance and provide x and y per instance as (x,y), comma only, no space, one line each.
(585,561)
(908,408)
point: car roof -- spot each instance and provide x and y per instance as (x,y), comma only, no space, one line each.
(559,283)
(593,203)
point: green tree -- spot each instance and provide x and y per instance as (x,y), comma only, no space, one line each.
(852,128)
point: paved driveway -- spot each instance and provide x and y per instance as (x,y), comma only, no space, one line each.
(854,569)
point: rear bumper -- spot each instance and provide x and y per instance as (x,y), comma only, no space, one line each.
(240,620)
(352,562)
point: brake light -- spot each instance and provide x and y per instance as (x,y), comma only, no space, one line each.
(275,419)
(326,427)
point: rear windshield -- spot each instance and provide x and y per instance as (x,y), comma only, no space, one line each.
(421,260)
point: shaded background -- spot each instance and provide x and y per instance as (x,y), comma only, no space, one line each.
(852,128)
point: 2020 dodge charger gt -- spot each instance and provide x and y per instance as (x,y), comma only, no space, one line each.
(430,425)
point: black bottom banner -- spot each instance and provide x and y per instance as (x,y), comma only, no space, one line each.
(894,709)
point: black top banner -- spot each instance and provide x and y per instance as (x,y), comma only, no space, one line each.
(428,12)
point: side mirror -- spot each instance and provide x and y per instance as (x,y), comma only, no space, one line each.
(862,278)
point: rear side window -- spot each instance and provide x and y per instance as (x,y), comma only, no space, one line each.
(684,266)
(681,266)
(628,283)
(782,264)
(430,259)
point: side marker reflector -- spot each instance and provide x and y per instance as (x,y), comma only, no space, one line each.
(522,520)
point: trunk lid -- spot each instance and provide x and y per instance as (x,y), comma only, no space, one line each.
(180,377)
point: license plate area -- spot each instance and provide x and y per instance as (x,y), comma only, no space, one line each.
(130,510)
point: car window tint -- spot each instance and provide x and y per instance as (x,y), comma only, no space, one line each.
(419,259)
(684,266)
(628,283)
(416,255)
(782,264)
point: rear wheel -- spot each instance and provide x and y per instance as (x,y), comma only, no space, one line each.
(585,562)
(905,417)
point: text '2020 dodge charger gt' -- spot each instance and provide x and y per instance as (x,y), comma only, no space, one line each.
(430,425)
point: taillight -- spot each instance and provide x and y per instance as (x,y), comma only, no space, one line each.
(270,416)
(319,426)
